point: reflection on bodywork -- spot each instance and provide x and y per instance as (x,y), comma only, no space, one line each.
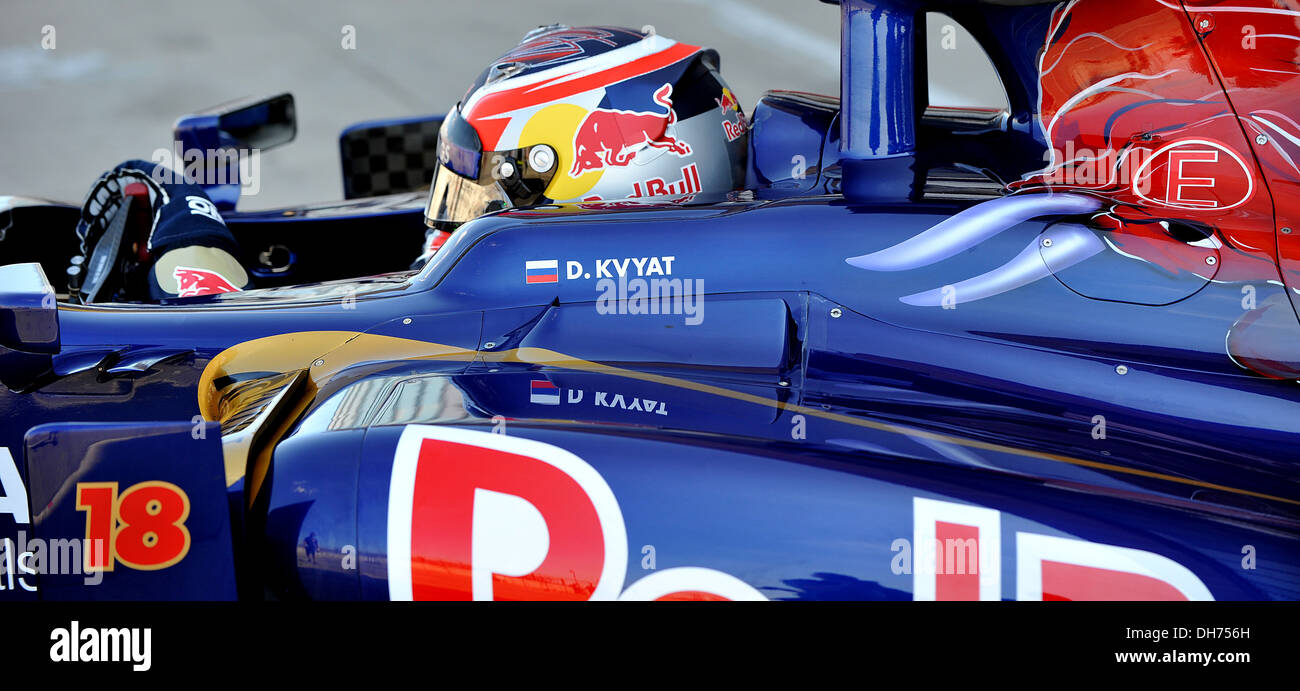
(396,400)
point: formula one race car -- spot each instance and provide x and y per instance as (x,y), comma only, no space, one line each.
(853,347)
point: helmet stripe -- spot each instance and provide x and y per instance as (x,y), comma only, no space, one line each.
(500,102)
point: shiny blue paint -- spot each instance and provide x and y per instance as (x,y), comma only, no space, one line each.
(308,497)
(808,519)
(29,325)
(970,227)
(62,455)
(876,86)
(788,147)
(28,317)
(1042,317)
(1015,370)
(877,97)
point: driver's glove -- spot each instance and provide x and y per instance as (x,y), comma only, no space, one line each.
(187,249)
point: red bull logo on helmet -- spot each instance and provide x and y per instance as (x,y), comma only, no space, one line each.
(689,183)
(191,282)
(728,103)
(610,137)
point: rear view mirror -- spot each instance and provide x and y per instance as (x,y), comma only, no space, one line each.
(248,124)
(259,123)
(29,325)
(221,136)
(29,315)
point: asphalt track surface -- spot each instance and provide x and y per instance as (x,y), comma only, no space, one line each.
(119,74)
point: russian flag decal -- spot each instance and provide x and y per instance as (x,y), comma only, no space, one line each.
(543,392)
(542,271)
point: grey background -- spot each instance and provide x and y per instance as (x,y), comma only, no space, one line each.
(122,72)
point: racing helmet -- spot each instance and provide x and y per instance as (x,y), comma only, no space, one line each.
(588,114)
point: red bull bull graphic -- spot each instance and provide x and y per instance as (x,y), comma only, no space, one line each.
(727,102)
(191,282)
(610,137)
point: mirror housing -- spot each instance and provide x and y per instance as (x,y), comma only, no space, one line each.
(248,123)
(223,135)
(259,123)
(29,325)
(29,314)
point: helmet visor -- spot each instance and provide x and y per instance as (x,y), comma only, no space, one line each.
(453,199)
(470,182)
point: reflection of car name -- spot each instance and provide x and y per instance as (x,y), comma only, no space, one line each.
(645,405)
(544,392)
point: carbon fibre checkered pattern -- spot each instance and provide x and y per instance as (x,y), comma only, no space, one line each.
(388,159)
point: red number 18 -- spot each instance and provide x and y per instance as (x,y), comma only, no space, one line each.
(143,529)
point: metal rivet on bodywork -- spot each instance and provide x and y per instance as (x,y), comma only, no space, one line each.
(318,363)
(1047,242)
(406,321)
(489,345)
(1121,369)
(1261,139)
(836,312)
(1286,231)
(783,383)
(1211,261)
